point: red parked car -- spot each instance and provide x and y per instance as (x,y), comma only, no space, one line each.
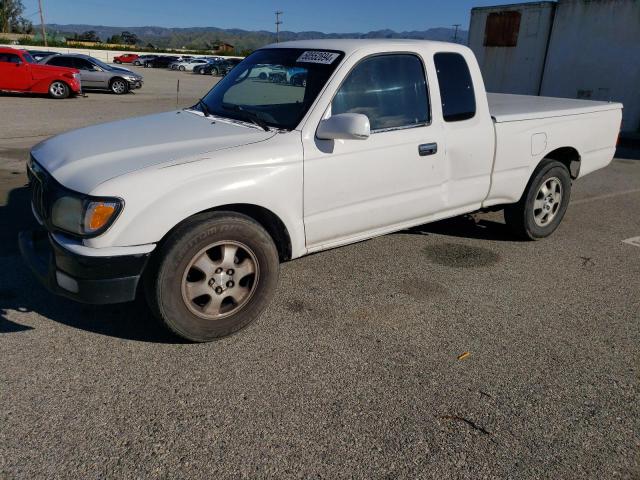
(19,72)
(126,58)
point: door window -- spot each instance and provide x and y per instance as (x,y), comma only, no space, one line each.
(61,62)
(82,64)
(9,58)
(389,89)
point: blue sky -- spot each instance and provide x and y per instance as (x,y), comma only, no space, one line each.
(321,15)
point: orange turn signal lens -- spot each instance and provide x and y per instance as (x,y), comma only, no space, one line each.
(98,215)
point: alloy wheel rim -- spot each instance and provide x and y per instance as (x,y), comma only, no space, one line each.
(57,89)
(118,86)
(547,202)
(220,280)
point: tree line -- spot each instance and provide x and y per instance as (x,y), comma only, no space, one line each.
(124,38)
(11,19)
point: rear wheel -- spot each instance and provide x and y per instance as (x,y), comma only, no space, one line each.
(214,275)
(117,62)
(119,86)
(59,90)
(181,68)
(543,204)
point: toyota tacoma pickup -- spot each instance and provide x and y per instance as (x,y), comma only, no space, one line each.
(196,208)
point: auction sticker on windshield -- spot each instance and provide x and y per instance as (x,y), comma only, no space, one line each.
(325,58)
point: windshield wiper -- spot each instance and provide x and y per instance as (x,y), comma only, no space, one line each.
(249,115)
(204,108)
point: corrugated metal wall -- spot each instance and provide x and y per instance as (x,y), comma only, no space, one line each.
(595,53)
(510,66)
(591,47)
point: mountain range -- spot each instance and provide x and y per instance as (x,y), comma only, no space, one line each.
(205,37)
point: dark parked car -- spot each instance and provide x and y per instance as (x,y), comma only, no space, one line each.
(299,79)
(138,62)
(39,55)
(230,64)
(160,62)
(217,67)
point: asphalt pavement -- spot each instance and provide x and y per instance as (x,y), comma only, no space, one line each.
(451,350)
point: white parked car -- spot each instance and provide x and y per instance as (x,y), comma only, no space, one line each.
(198,207)
(188,65)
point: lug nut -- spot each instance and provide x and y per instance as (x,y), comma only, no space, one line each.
(218,270)
(212,282)
(230,284)
(230,271)
(218,290)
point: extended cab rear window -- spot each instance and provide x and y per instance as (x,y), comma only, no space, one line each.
(456,87)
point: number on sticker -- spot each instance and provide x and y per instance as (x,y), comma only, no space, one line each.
(326,58)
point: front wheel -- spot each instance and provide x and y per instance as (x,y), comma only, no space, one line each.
(119,86)
(59,90)
(215,275)
(181,68)
(543,204)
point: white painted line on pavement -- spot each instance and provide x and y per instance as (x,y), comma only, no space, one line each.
(635,241)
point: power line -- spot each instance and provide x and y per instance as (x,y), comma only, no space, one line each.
(278,23)
(455,33)
(44,29)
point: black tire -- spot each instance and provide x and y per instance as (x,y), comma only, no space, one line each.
(181,68)
(117,62)
(136,63)
(59,90)
(215,72)
(119,86)
(262,76)
(164,287)
(524,218)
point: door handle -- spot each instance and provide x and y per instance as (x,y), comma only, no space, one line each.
(427,149)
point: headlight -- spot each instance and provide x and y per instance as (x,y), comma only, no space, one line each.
(86,217)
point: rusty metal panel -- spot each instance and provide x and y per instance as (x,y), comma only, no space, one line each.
(502,29)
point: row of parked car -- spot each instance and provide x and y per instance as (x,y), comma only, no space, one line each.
(219,66)
(61,75)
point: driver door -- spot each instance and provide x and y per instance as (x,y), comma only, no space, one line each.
(14,73)
(355,189)
(92,75)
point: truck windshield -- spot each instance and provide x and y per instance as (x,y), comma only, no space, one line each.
(273,87)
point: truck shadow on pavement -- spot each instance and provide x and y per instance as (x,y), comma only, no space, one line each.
(20,291)
(466,226)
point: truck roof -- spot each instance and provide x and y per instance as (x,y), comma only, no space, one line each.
(349,46)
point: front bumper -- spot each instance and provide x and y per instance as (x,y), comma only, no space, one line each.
(135,84)
(96,280)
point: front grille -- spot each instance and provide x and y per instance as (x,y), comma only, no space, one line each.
(38,179)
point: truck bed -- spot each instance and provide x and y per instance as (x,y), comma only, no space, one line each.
(512,108)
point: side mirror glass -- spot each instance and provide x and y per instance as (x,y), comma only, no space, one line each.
(345,126)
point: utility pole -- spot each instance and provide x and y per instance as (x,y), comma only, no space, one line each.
(455,33)
(278,23)
(44,30)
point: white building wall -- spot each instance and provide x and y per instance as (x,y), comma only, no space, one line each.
(595,53)
(514,69)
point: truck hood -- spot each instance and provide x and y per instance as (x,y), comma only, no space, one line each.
(83,159)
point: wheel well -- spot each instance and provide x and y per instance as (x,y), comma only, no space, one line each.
(569,157)
(266,218)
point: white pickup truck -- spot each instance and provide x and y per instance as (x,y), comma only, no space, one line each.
(198,207)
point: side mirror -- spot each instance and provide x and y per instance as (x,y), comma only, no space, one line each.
(345,126)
